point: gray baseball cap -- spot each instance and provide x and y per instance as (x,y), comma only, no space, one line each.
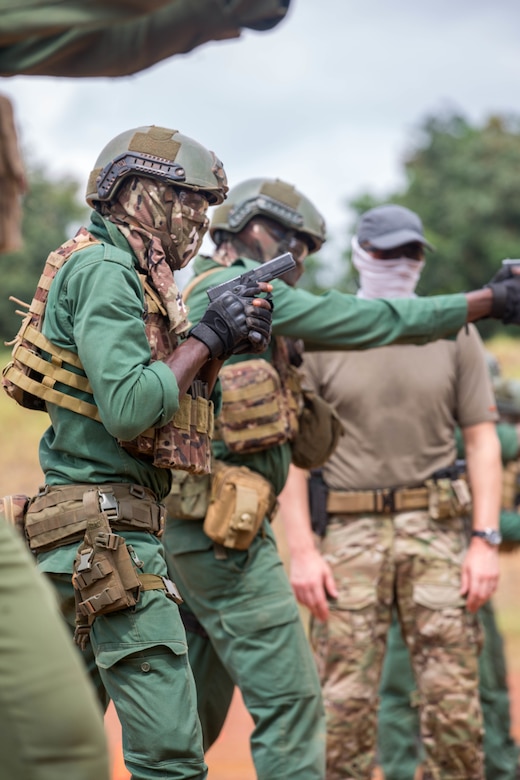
(385,227)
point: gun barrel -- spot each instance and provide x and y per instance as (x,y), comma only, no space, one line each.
(276,267)
(511,261)
(265,272)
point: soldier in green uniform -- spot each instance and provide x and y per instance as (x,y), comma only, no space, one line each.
(127,386)
(240,612)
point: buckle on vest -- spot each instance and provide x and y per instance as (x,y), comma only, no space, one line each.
(109,504)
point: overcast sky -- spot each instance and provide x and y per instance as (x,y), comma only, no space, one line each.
(328,100)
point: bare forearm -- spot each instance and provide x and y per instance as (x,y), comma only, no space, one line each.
(187,361)
(479,304)
(294,511)
(485,474)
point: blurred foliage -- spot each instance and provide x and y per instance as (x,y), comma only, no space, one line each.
(462,181)
(459,177)
(51,208)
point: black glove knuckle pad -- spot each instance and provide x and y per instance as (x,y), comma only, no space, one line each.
(232,325)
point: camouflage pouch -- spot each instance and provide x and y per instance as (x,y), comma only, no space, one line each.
(184,442)
(254,413)
(188,498)
(240,500)
(13,509)
(448,498)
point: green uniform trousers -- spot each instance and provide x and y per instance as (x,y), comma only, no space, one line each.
(138,658)
(252,637)
(51,727)
(398,726)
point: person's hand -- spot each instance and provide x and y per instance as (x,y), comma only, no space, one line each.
(505,286)
(259,314)
(480,572)
(236,323)
(313,583)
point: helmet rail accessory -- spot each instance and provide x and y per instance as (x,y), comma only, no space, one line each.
(144,164)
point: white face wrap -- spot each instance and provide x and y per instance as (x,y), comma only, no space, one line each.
(395,278)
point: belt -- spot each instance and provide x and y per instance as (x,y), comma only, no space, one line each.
(384,501)
(59,511)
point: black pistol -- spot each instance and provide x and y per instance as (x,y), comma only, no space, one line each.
(265,272)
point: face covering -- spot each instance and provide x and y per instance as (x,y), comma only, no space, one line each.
(395,278)
(150,216)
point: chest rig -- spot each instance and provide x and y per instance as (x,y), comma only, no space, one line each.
(37,366)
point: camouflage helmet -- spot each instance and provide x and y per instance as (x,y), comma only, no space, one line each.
(157,153)
(271,198)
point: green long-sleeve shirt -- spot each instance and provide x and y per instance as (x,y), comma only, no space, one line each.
(333,320)
(95,309)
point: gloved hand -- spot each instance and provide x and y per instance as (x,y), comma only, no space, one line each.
(232,325)
(505,286)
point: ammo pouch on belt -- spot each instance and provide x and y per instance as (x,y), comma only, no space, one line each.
(240,500)
(105,574)
(448,497)
(189,494)
(257,412)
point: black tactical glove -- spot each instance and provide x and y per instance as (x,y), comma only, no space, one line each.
(505,286)
(231,325)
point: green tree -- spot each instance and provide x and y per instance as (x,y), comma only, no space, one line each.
(50,210)
(462,180)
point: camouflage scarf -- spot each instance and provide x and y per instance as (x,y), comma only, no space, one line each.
(163,234)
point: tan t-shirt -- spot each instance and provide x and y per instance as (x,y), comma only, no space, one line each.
(400,405)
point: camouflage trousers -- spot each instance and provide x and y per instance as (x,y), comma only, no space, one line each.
(412,561)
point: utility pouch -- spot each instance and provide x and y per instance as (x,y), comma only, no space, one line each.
(255,413)
(448,498)
(104,577)
(240,500)
(184,442)
(189,494)
(13,509)
(319,429)
(318,492)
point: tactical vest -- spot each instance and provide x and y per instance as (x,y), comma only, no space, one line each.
(261,401)
(30,379)
(265,405)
